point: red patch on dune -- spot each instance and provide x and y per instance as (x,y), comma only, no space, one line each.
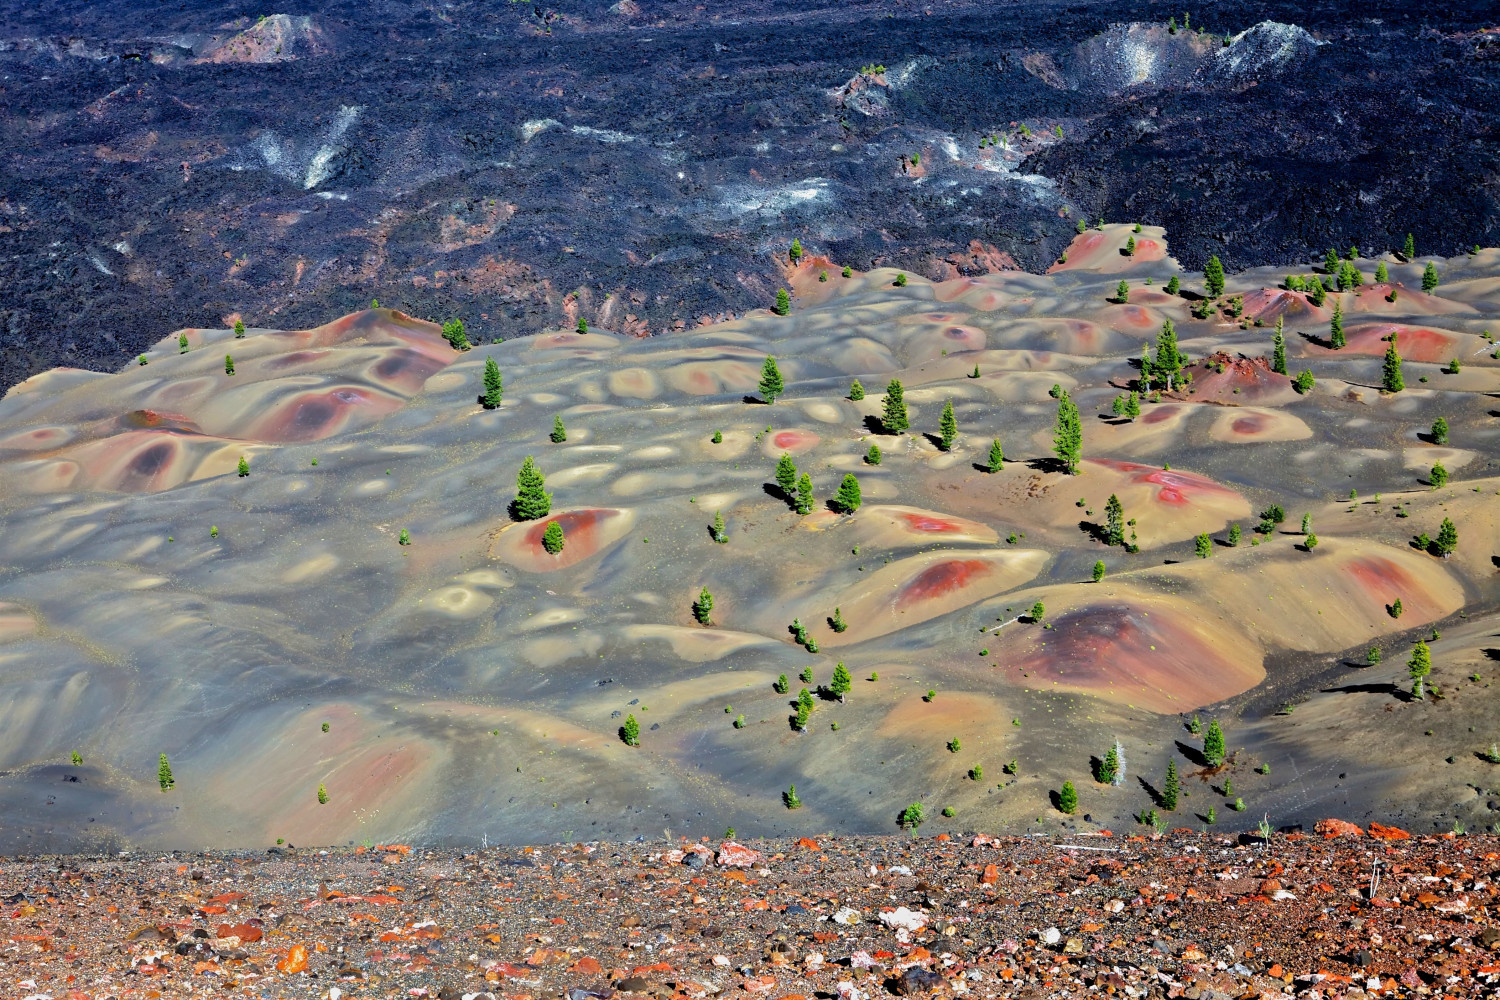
(578,528)
(942,579)
(1148,249)
(1176,487)
(153,420)
(928,522)
(1384,580)
(1252,423)
(312,416)
(1157,414)
(1415,343)
(794,440)
(1136,316)
(1108,649)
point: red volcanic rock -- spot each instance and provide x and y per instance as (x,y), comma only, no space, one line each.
(1334,828)
(979,258)
(734,855)
(1382,832)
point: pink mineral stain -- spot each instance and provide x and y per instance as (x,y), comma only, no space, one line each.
(928,523)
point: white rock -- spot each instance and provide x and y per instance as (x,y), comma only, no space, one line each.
(1051,936)
(846,916)
(903,919)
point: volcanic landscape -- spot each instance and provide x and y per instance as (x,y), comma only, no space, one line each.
(305,583)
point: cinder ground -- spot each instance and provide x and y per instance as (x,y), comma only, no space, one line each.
(152,601)
(1204,917)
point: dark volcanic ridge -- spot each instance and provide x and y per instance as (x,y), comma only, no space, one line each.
(645,166)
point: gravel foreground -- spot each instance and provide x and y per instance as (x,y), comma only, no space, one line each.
(1186,915)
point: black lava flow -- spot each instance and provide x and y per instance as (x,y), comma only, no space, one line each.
(646,164)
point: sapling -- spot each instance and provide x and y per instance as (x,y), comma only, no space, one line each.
(894,418)
(228,364)
(552,539)
(848,499)
(771,383)
(1440,431)
(532,501)
(841,682)
(872,457)
(182,343)
(630,733)
(790,798)
(786,475)
(782,685)
(404,538)
(804,494)
(1067,799)
(837,622)
(1122,291)
(322,794)
(900,281)
(783,302)
(997,457)
(1170,787)
(703,607)
(1099,570)
(559,432)
(1213,744)
(947,427)
(955,745)
(856,391)
(239,329)
(77,759)
(244,467)
(164,773)
(719,535)
(912,816)
(494,385)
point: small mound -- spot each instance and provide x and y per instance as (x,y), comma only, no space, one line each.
(1242,381)
(273,39)
(586,532)
(1163,656)
(1104,250)
(1415,343)
(1254,425)
(920,588)
(896,526)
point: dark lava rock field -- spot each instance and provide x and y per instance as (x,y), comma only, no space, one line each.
(645,165)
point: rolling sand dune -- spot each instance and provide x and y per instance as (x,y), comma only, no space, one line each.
(153,600)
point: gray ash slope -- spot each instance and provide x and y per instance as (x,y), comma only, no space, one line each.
(643,164)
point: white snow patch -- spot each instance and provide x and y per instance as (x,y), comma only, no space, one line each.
(99,265)
(746,199)
(530,130)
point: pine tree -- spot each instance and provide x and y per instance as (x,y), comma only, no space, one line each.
(1130,248)
(239,329)
(1109,766)
(1331,262)
(322,794)
(1114,521)
(532,501)
(182,343)
(1067,799)
(842,683)
(583,325)
(900,281)
(1234,534)
(804,495)
(1067,437)
(1440,431)
(947,427)
(1278,349)
(894,418)
(837,622)
(1438,475)
(1174,286)
(1390,371)
(1447,539)
(1310,541)
(856,391)
(164,773)
(703,607)
(1409,250)
(796,252)
(848,498)
(1304,382)
(771,384)
(494,385)
(786,476)
(1381,274)
(1429,277)
(552,539)
(872,457)
(1099,570)
(1122,291)
(453,332)
(559,432)
(1213,277)
(1170,788)
(244,468)
(1213,744)
(1168,358)
(997,457)
(1133,406)
(228,364)
(783,302)
(1336,327)
(1203,546)
(630,733)
(719,535)
(1418,667)
(1316,293)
